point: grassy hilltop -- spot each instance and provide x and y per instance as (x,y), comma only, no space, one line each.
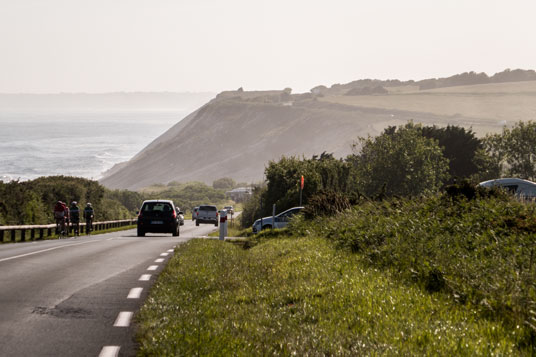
(484,107)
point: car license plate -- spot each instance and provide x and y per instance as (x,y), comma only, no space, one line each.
(157,222)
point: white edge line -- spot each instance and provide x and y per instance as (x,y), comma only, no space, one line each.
(159,260)
(123,319)
(109,351)
(45,250)
(152,267)
(134,293)
(145,277)
(164,254)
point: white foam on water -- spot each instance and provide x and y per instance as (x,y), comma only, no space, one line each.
(85,144)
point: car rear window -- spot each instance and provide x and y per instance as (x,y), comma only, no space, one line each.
(208,208)
(157,206)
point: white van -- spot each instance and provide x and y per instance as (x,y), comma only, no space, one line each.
(519,187)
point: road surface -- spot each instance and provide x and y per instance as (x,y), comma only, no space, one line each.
(77,296)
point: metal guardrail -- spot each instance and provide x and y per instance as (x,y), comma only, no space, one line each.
(47,230)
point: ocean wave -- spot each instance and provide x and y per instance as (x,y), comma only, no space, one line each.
(85,146)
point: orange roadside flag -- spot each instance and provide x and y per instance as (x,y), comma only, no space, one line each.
(301,183)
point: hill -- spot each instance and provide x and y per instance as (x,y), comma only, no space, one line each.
(238,132)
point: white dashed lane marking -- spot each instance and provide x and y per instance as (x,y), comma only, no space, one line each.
(123,319)
(134,293)
(109,351)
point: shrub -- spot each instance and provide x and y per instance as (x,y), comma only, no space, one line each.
(326,203)
(480,251)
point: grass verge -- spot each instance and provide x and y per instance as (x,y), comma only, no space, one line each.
(303,296)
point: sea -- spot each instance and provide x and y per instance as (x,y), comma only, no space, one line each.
(83,143)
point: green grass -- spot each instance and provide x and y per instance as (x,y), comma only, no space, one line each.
(480,253)
(303,296)
(234,231)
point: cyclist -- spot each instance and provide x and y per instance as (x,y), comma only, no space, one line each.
(88,215)
(75,218)
(59,216)
(67,218)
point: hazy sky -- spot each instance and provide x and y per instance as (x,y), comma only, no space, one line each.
(213,45)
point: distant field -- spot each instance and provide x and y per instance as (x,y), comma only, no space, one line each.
(486,107)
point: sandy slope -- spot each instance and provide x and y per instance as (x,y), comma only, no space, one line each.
(236,134)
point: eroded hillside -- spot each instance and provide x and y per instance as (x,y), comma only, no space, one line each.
(238,132)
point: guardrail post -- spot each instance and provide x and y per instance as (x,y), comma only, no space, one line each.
(48,230)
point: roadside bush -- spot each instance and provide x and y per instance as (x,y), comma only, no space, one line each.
(401,161)
(480,251)
(252,207)
(326,203)
(32,202)
(187,195)
(129,199)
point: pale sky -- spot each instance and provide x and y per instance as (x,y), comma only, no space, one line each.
(50,46)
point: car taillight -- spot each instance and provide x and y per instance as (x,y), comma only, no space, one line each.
(174,214)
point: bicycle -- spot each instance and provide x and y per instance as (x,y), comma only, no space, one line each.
(61,228)
(75,228)
(89,225)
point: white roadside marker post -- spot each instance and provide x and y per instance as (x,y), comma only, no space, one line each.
(223,224)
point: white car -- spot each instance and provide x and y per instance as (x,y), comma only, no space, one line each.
(519,187)
(281,220)
(207,214)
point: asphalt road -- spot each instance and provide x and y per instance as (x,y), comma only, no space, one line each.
(63,297)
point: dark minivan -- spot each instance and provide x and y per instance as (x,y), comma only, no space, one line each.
(158,216)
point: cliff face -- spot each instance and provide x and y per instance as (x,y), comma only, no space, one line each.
(238,133)
(237,136)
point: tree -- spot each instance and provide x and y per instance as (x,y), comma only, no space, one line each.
(399,162)
(224,183)
(514,150)
(252,207)
(460,147)
(322,172)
